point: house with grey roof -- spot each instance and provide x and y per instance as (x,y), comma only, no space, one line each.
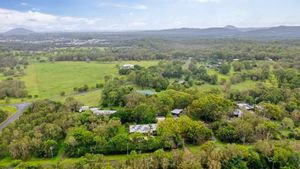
(146,92)
(102,112)
(176,112)
(143,128)
(97,111)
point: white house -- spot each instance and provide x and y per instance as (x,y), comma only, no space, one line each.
(142,128)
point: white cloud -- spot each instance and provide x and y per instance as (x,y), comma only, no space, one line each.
(45,22)
(35,9)
(24,4)
(137,24)
(42,22)
(117,5)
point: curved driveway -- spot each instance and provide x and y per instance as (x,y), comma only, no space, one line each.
(20,109)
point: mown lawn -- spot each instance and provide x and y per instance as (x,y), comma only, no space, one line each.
(48,80)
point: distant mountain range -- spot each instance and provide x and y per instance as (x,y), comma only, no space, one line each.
(19,31)
(280,32)
(288,32)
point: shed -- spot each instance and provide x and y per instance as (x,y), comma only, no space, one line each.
(176,112)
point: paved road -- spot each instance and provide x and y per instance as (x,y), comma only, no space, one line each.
(20,109)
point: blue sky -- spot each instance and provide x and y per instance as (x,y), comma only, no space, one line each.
(119,15)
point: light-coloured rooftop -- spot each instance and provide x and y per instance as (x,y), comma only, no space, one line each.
(142,128)
(176,111)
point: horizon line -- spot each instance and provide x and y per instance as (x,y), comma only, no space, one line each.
(145,30)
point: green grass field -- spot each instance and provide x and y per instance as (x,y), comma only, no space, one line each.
(9,109)
(48,80)
(248,84)
(90,98)
(220,76)
(2,77)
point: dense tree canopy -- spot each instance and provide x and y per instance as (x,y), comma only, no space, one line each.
(205,78)
(12,88)
(174,131)
(114,92)
(210,107)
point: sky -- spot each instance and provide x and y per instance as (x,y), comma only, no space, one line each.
(123,15)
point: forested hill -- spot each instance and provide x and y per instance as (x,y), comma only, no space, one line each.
(19,31)
(280,32)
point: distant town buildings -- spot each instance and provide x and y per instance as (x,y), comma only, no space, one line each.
(57,41)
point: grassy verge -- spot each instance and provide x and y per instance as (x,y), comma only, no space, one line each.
(8,162)
(9,109)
